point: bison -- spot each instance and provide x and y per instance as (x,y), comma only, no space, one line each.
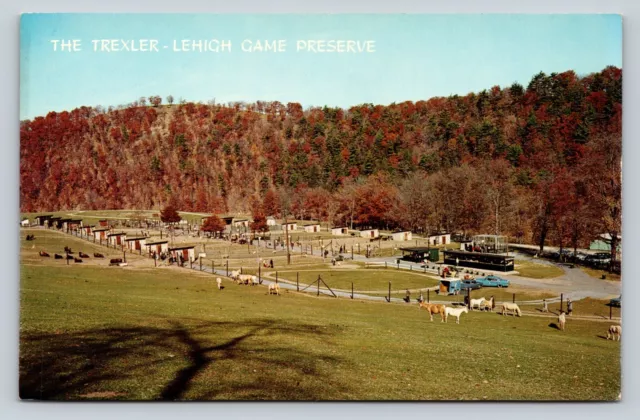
(82,255)
(58,256)
(44,254)
(98,255)
(78,260)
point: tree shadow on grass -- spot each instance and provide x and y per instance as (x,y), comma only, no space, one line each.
(207,360)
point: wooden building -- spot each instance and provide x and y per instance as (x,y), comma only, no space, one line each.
(157,246)
(369,233)
(312,228)
(401,236)
(188,253)
(42,219)
(116,239)
(436,239)
(337,231)
(100,234)
(135,244)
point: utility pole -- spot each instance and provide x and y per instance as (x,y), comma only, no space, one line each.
(286,239)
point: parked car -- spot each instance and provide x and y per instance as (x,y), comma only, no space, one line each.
(616,301)
(493,281)
(470,284)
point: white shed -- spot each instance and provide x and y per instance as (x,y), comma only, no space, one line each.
(439,239)
(24,223)
(100,234)
(116,239)
(157,246)
(337,231)
(135,244)
(402,236)
(290,226)
(369,233)
(312,227)
(271,221)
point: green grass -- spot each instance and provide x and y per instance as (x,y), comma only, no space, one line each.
(94,332)
(537,271)
(595,273)
(363,280)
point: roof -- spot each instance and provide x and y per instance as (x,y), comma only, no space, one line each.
(464,253)
(344,227)
(312,224)
(116,234)
(156,243)
(182,247)
(101,230)
(417,249)
(134,239)
(401,231)
(438,234)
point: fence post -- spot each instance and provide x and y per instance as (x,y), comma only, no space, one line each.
(389,296)
(469,298)
(318,281)
(259,274)
(213,267)
(561,300)
(240,270)
(352,289)
(124,256)
(352,252)
(398,265)
(67,258)
(227,268)
(428,290)
(610,310)
(297,281)
(514,298)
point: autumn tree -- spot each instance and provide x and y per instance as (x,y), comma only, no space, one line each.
(169,214)
(213,225)
(259,224)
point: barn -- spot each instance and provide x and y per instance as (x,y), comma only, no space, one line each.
(401,236)
(100,234)
(312,227)
(369,233)
(158,247)
(337,231)
(116,239)
(188,253)
(439,239)
(135,244)
(271,221)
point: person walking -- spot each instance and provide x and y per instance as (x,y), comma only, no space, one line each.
(545,307)
(569,307)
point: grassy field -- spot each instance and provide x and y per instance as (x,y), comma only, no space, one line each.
(537,271)
(89,331)
(599,273)
(363,280)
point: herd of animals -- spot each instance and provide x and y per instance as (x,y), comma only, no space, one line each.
(614,332)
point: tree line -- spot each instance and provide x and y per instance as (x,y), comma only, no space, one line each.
(539,163)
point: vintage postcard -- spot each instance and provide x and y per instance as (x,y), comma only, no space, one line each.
(320,207)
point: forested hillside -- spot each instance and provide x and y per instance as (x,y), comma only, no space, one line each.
(540,162)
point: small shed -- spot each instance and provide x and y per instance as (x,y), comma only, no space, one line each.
(135,244)
(100,234)
(42,219)
(116,239)
(24,223)
(188,253)
(157,246)
(312,227)
(271,221)
(402,236)
(87,230)
(337,231)
(369,233)
(290,226)
(439,239)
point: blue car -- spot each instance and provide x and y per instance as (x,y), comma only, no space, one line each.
(492,281)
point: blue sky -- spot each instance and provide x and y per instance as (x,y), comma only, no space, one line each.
(416,57)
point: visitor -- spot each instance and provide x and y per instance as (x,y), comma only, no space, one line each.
(569,307)
(545,307)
